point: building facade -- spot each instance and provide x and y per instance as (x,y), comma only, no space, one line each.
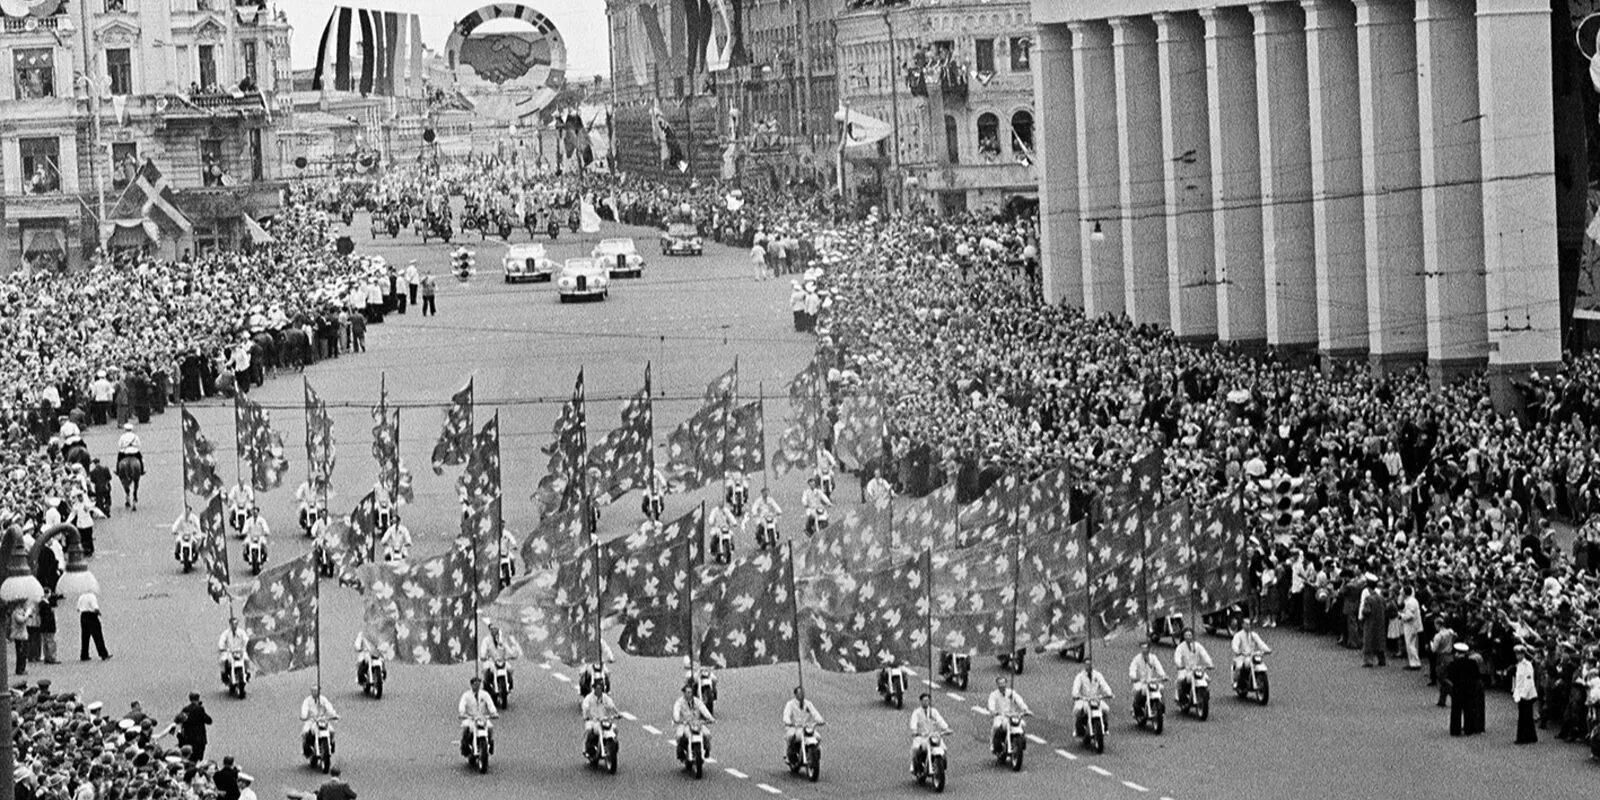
(956,80)
(1368,179)
(90,91)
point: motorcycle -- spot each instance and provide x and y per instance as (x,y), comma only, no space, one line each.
(255,554)
(323,555)
(1194,697)
(236,519)
(1013,661)
(508,569)
(482,744)
(593,675)
(305,518)
(394,552)
(499,683)
(736,496)
(807,754)
(652,505)
(1012,742)
(931,767)
(184,551)
(393,227)
(1092,729)
(1152,710)
(1251,681)
(705,687)
(553,228)
(1170,626)
(602,748)
(954,668)
(573,220)
(322,744)
(693,754)
(816,521)
(371,679)
(721,545)
(892,685)
(238,673)
(767,533)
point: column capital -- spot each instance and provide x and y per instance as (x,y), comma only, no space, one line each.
(1328,14)
(1226,21)
(1443,9)
(1169,23)
(1084,27)
(1273,18)
(1387,12)
(1131,30)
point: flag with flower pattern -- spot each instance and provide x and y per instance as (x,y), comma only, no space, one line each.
(973,592)
(747,612)
(280,616)
(199,460)
(550,612)
(747,440)
(860,432)
(1051,606)
(1221,543)
(1169,559)
(857,619)
(556,537)
(620,462)
(214,547)
(319,440)
(557,489)
(455,440)
(480,482)
(420,611)
(1116,564)
(649,591)
(260,447)
(861,538)
(808,429)
(696,448)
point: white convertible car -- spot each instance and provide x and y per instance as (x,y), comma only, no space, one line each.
(620,256)
(528,262)
(582,279)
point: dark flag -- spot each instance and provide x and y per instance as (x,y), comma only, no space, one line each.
(456,438)
(560,485)
(808,429)
(649,592)
(199,460)
(214,547)
(747,445)
(420,612)
(319,439)
(861,431)
(620,462)
(858,619)
(259,445)
(480,483)
(750,613)
(280,616)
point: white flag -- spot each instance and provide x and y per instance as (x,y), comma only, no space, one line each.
(862,129)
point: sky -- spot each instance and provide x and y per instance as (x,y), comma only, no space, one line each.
(582,24)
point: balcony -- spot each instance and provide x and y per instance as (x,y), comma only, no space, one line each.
(211,106)
(951,77)
(34,24)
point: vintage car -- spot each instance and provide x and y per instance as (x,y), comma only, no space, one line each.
(681,238)
(620,256)
(527,262)
(582,279)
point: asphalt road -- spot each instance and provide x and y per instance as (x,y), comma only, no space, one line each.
(1332,730)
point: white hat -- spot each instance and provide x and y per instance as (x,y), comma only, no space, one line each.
(1461,647)
(245,777)
(127,426)
(94,708)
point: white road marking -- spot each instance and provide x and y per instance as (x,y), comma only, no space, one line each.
(1066,755)
(651,729)
(930,684)
(545,665)
(1134,786)
(1035,739)
(1100,770)
(956,697)
(980,710)
(561,677)
(629,717)
(735,773)
(774,790)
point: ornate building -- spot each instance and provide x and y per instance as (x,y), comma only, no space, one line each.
(92,91)
(956,79)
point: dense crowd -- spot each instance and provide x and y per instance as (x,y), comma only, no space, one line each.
(1418,510)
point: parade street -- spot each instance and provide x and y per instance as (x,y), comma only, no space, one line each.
(1331,729)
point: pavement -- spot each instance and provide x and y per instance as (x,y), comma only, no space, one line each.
(1332,729)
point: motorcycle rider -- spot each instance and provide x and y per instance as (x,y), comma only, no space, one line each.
(797,714)
(655,494)
(383,511)
(186,523)
(736,494)
(256,530)
(396,541)
(233,640)
(597,707)
(926,721)
(823,472)
(765,508)
(691,675)
(306,503)
(685,710)
(1187,657)
(1246,645)
(1145,667)
(475,703)
(499,647)
(1089,684)
(364,652)
(315,705)
(816,502)
(241,498)
(721,519)
(128,444)
(1004,702)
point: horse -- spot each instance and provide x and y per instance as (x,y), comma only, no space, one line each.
(263,356)
(78,454)
(294,349)
(130,468)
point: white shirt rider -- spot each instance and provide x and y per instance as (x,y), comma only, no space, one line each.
(128,443)
(1247,643)
(474,704)
(1005,702)
(766,508)
(925,722)
(797,714)
(1145,667)
(1089,684)
(186,523)
(315,705)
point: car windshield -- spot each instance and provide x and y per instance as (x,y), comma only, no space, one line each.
(528,251)
(616,245)
(681,230)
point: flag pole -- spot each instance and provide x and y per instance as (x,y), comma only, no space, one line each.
(238,441)
(649,430)
(761,412)
(316,601)
(927,597)
(730,401)
(1016,592)
(305,384)
(1088,581)
(794,617)
(183,488)
(694,575)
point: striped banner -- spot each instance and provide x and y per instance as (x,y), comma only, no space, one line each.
(390,45)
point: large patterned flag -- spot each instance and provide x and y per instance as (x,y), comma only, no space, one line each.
(280,616)
(386,441)
(259,445)
(973,597)
(551,613)
(456,438)
(928,522)
(1052,580)
(557,489)
(557,537)
(857,619)
(621,461)
(862,539)
(747,440)
(808,429)
(319,439)
(1116,565)
(358,534)
(723,386)
(480,482)
(481,527)
(199,459)
(859,439)
(1221,539)
(214,547)
(1169,560)
(421,612)
(750,612)
(649,592)
(697,450)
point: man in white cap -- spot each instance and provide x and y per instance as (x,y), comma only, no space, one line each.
(101,392)
(245,781)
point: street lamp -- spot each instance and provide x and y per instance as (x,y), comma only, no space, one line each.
(1097,235)
(841,116)
(21,589)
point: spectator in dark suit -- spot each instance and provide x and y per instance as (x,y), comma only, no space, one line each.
(192,722)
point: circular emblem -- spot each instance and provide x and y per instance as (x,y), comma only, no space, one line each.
(528,53)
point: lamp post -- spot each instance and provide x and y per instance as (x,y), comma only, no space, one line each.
(842,116)
(21,589)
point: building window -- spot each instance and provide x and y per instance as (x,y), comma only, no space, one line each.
(116,6)
(44,244)
(983,55)
(36,73)
(41,165)
(255,154)
(1021,52)
(211,167)
(249,83)
(210,239)
(952,140)
(988,135)
(124,163)
(119,67)
(208,67)
(1022,132)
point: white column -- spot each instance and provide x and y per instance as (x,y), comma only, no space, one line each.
(1236,175)
(1287,235)
(1386,50)
(1099,175)
(1518,163)
(1140,178)
(1338,221)
(1060,230)
(1452,200)
(1186,143)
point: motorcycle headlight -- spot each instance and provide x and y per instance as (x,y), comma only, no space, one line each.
(1016,721)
